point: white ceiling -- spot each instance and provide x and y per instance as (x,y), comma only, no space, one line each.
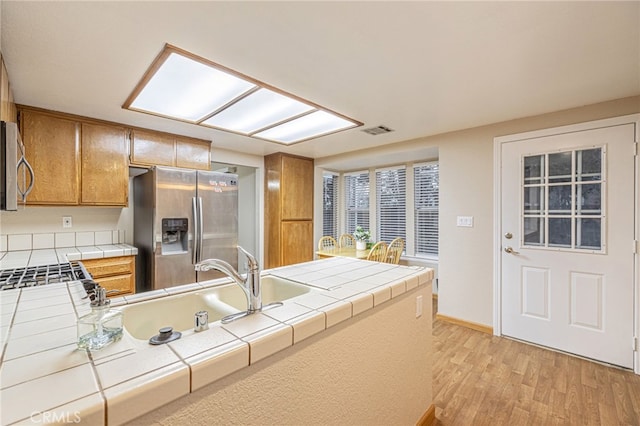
(421,68)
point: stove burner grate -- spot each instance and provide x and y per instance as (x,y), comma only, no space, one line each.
(33,276)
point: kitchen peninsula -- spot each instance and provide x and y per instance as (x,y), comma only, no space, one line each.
(354,349)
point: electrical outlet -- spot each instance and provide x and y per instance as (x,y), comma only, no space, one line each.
(418,306)
(67,222)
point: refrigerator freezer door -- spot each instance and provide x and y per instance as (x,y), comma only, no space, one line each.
(174,193)
(219,227)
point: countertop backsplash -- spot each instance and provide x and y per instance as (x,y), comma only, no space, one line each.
(22,250)
(55,240)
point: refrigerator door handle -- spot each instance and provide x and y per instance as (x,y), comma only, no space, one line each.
(196,232)
(200,229)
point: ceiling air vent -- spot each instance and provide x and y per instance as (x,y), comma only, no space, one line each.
(378,130)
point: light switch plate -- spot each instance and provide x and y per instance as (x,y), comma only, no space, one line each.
(464,221)
(418,306)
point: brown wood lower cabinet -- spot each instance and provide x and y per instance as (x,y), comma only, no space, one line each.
(116,274)
(297,241)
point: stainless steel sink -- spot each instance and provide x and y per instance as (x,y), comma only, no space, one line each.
(143,320)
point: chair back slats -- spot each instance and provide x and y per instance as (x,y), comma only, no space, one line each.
(347,240)
(378,252)
(327,242)
(394,251)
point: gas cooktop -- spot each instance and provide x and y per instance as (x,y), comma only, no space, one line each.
(32,276)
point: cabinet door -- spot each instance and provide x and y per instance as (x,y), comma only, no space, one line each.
(297,241)
(116,274)
(152,149)
(105,171)
(118,285)
(7,106)
(52,147)
(193,153)
(297,188)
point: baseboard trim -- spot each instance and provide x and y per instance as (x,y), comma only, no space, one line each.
(429,417)
(472,325)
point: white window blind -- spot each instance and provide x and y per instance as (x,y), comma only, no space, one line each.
(330,205)
(426,190)
(391,188)
(356,190)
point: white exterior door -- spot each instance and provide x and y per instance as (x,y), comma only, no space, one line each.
(567,242)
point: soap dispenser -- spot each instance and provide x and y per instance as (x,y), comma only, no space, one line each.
(102,325)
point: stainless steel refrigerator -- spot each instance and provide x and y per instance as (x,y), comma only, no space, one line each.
(181,217)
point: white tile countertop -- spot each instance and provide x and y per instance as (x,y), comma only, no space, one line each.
(130,377)
(24,258)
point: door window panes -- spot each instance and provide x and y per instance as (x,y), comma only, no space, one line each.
(589,164)
(533,199)
(534,231)
(560,232)
(560,167)
(563,197)
(560,199)
(589,233)
(589,199)
(533,169)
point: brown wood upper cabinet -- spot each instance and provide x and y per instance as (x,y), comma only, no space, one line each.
(105,169)
(297,188)
(75,162)
(149,148)
(52,147)
(8,111)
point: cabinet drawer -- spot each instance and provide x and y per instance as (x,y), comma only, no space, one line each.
(109,266)
(117,285)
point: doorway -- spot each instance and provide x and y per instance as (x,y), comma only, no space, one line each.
(566,236)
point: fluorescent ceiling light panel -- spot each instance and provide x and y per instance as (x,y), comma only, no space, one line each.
(188,90)
(260,109)
(312,125)
(185,87)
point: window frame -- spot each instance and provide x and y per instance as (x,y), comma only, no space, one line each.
(388,221)
(357,192)
(417,249)
(334,204)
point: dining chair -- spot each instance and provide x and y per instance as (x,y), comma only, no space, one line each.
(347,240)
(394,251)
(327,242)
(378,252)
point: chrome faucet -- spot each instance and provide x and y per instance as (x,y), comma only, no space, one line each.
(250,284)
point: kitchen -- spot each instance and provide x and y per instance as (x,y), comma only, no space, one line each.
(468,291)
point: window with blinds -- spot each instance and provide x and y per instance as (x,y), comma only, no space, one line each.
(330,205)
(356,190)
(391,189)
(426,189)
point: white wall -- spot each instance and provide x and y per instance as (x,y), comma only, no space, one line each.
(465,267)
(37,219)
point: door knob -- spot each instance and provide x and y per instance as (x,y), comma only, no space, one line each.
(511,250)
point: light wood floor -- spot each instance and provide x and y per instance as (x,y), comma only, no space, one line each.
(479,379)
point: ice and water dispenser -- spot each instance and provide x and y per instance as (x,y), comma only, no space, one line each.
(175,236)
